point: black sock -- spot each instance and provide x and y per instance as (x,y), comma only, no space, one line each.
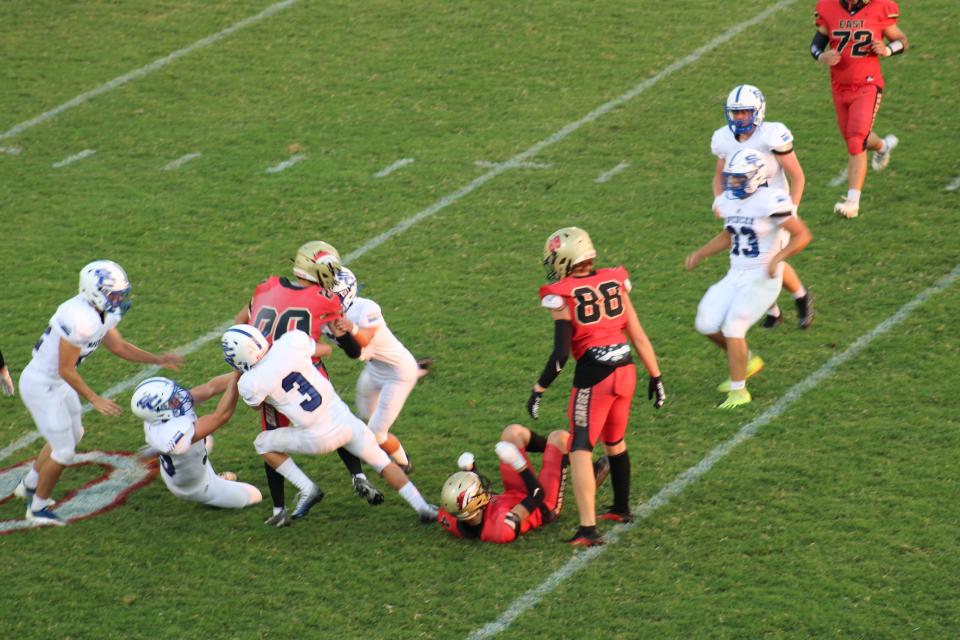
(587,530)
(537,444)
(350,461)
(620,480)
(275,482)
(564,461)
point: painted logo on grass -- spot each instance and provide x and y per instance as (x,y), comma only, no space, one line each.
(122,473)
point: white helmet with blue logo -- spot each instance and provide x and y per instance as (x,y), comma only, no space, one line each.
(160,399)
(745,98)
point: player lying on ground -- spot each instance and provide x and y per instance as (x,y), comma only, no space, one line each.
(178,438)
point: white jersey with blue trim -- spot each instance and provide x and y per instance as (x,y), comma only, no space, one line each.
(384,347)
(77,322)
(183,464)
(770,138)
(287,379)
(754,226)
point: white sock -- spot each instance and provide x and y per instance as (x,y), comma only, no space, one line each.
(737,385)
(799,293)
(31,479)
(410,493)
(853,196)
(292,472)
(774,311)
(277,510)
(39,503)
(361,475)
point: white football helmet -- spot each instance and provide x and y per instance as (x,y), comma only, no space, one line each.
(104,284)
(318,262)
(464,494)
(744,173)
(746,97)
(243,346)
(566,248)
(346,287)
(160,399)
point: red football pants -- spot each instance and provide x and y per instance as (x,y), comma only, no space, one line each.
(603,410)
(856,106)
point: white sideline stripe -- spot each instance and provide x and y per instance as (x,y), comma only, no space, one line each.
(836,182)
(86,153)
(143,71)
(182,160)
(396,165)
(531,152)
(606,175)
(286,164)
(953,186)
(122,386)
(486,164)
(532,597)
(13,151)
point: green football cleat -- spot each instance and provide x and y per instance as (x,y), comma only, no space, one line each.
(754,366)
(735,399)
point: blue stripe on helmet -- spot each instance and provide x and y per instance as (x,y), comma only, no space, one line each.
(248,334)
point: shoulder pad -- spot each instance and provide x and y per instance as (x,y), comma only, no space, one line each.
(552,301)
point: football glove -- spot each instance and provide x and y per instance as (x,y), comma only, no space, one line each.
(655,388)
(533,404)
(466,461)
(510,454)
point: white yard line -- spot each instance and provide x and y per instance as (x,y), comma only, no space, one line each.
(143,71)
(953,186)
(606,175)
(486,164)
(182,160)
(525,156)
(840,179)
(286,164)
(644,510)
(383,173)
(86,153)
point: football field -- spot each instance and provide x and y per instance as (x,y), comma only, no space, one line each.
(437,145)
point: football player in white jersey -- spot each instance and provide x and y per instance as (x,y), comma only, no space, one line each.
(747,128)
(753,216)
(391,371)
(284,376)
(179,438)
(51,386)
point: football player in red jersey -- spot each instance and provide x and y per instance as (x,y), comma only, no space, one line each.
(279,305)
(469,510)
(850,40)
(593,314)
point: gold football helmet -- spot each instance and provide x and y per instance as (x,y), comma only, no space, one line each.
(565,249)
(464,494)
(318,262)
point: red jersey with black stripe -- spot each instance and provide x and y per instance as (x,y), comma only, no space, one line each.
(851,33)
(596,307)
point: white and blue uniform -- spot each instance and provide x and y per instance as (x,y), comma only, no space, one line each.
(390,373)
(736,302)
(186,470)
(54,404)
(321,421)
(769,139)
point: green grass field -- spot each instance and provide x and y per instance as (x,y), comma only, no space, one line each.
(840,519)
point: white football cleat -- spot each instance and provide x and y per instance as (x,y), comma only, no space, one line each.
(882,158)
(847,209)
(23,492)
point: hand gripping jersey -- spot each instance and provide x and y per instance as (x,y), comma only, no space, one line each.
(183,464)
(770,139)
(851,33)
(77,322)
(754,226)
(596,307)
(287,380)
(384,347)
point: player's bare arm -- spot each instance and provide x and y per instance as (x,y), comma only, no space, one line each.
(800,237)
(794,172)
(640,340)
(213,387)
(718,243)
(243,316)
(896,42)
(67,368)
(820,48)
(363,335)
(228,402)
(123,349)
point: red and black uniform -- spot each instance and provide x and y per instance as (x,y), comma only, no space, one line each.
(495,526)
(856,81)
(605,377)
(279,306)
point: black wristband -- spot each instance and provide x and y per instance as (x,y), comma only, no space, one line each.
(562,335)
(349,345)
(818,44)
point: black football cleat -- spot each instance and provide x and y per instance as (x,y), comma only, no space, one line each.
(586,537)
(772,321)
(805,310)
(616,516)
